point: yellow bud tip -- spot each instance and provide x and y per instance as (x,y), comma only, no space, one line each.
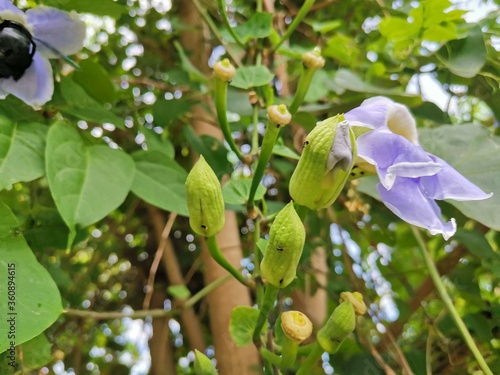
(224,70)
(296,325)
(356,299)
(313,59)
(279,115)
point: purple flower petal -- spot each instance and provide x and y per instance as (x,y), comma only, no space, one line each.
(36,86)
(408,201)
(393,156)
(372,115)
(62,31)
(450,184)
(6,6)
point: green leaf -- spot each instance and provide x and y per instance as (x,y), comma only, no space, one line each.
(166,111)
(262,245)
(96,81)
(396,28)
(83,107)
(186,64)
(242,324)
(86,182)
(285,151)
(202,364)
(236,191)
(465,57)
(477,244)
(22,147)
(158,142)
(318,90)
(214,152)
(179,292)
(326,26)
(100,8)
(473,151)
(160,181)
(14,108)
(258,26)
(37,303)
(39,350)
(247,77)
(348,80)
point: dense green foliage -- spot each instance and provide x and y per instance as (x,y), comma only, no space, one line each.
(88,181)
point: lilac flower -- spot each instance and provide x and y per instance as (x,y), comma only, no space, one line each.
(27,41)
(410,178)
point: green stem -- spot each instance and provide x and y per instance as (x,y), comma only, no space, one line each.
(205,291)
(272,132)
(303,87)
(288,353)
(220,106)
(255,131)
(311,360)
(270,356)
(215,252)
(298,19)
(222,10)
(449,303)
(270,296)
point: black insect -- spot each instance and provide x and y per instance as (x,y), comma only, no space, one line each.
(17,49)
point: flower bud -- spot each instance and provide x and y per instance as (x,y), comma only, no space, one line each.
(356,299)
(204,200)
(224,70)
(340,325)
(284,248)
(313,59)
(279,115)
(296,325)
(325,164)
(203,365)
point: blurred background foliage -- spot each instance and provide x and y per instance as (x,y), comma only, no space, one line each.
(136,90)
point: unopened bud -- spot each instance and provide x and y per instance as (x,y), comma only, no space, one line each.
(279,115)
(325,164)
(338,327)
(313,59)
(204,200)
(356,299)
(202,364)
(224,70)
(284,248)
(296,325)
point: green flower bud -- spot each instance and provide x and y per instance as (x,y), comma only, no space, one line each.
(283,251)
(204,200)
(296,325)
(313,59)
(325,164)
(340,325)
(203,365)
(224,70)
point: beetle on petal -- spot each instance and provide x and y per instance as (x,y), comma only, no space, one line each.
(27,41)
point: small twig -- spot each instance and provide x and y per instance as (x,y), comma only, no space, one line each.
(402,359)
(157,259)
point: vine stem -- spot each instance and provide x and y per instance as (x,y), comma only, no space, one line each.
(154,313)
(303,87)
(311,360)
(449,303)
(270,136)
(216,253)
(298,19)
(288,353)
(222,10)
(220,106)
(270,295)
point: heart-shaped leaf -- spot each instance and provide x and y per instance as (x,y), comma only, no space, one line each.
(29,299)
